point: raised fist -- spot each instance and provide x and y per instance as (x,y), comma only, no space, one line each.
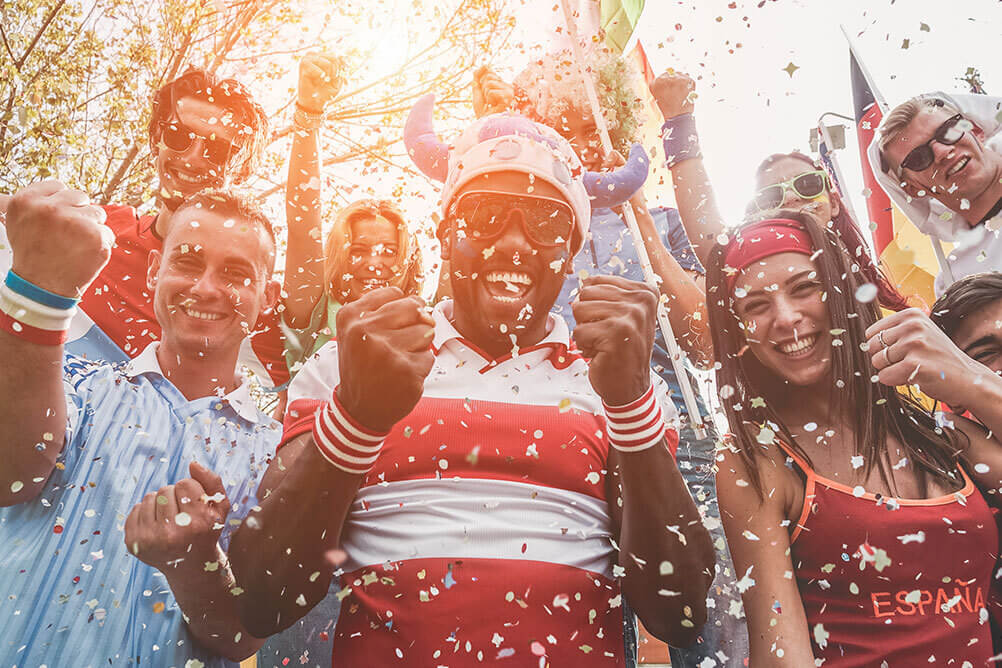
(58,238)
(675,93)
(491,93)
(615,329)
(320,80)
(384,355)
(180,521)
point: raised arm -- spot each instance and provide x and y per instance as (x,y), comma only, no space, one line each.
(697,205)
(683,289)
(281,553)
(319,83)
(759,541)
(60,244)
(663,547)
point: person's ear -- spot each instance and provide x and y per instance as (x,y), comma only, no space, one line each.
(445,237)
(835,205)
(272,293)
(152,269)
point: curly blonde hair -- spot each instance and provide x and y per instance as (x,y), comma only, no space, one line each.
(553,88)
(338,243)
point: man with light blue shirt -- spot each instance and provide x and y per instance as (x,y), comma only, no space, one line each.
(122,483)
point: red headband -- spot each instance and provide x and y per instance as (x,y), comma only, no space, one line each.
(762,239)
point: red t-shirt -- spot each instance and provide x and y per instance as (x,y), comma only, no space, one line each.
(121,306)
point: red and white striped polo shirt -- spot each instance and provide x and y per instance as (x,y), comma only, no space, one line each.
(482,533)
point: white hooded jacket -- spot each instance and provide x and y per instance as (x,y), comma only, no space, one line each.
(976,249)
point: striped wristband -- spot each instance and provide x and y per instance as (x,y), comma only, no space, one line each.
(344,442)
(637,425)
(37,294)
(32,321)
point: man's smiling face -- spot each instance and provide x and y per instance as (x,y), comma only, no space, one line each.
(504,287)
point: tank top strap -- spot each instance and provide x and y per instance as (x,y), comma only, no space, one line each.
(809,489)
(797,459)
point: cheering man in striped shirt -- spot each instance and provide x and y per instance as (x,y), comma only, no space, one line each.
(470,471)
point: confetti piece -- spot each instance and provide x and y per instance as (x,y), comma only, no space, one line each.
(790,69)
(821,636)
(866,293)
(182,519)
(16,486)
(158,607)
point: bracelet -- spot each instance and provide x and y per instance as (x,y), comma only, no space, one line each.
(681,141)
(37,294)
(637,425)
(343,442)
(305,119)
(31,321)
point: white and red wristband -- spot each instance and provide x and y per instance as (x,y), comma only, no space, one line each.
(32,320)
(635,426)
(343,441)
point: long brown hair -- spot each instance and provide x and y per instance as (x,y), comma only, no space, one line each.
(338,243)
(852,236)
(876,410)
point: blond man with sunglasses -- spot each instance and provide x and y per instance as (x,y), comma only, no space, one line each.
(939,158)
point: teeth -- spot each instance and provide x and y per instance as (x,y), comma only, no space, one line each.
(509,277)
(796,347)
(959,166)
(202,315)
(187,179)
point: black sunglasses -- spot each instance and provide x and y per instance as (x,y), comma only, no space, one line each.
(949,133)
(179,137)
(484,215)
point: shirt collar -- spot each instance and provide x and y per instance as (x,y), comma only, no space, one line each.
(239,399)
(557,335)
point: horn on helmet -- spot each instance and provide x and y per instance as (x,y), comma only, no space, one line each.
(608,189)
(428,152)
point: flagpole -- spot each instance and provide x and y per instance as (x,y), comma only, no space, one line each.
(937,245)
(675,353)
(826,138)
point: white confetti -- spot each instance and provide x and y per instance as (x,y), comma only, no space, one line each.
(866,293)
(182,519)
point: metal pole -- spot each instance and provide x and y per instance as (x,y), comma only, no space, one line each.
(675,353)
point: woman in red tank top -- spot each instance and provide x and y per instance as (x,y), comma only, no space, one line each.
(859,535)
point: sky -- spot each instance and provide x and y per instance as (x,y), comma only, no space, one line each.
(749,106)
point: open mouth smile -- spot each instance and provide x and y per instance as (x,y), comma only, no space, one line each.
(508,287)
(802,347)
(959,165)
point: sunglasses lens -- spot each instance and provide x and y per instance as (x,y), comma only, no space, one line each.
(769,197)
(549,223)
(217,151)
(176,136)
(809,186)
(481,218)
(951,132)
(919,159)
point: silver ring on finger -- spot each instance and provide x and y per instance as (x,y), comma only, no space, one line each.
(880,337)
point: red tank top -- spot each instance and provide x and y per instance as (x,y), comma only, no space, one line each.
(890,580)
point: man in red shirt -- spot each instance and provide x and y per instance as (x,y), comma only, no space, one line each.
(204,133)
(493,489)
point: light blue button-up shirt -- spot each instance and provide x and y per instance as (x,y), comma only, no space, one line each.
(70,593)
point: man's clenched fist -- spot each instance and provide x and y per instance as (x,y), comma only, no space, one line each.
(384,355)
(615,329)
(674,92)
(320,80)
(180,521)
(58,238)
